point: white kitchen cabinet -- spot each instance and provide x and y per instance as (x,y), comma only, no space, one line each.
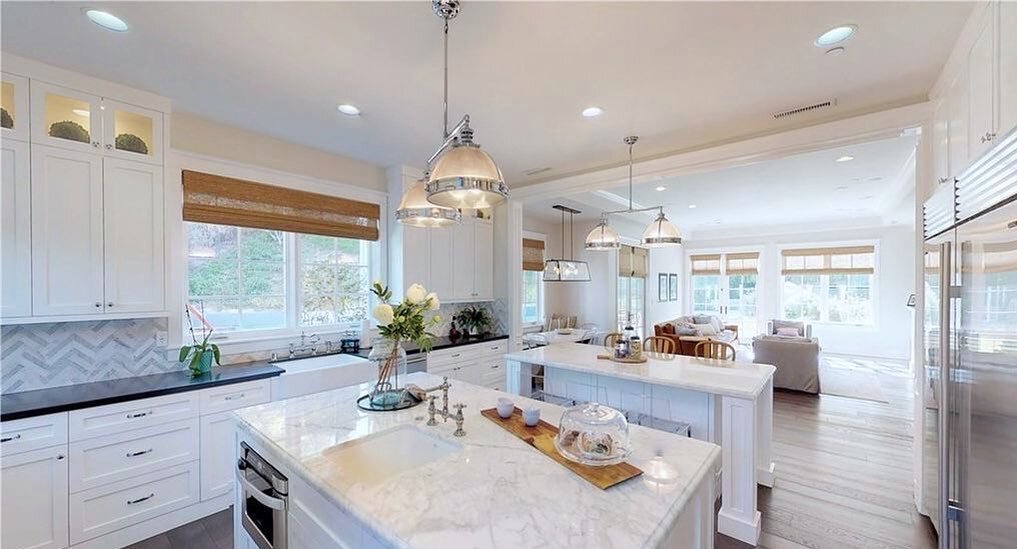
(34,499)
(483,259)
(981,90)
(441,263)
(416,259)
(941,142)
(66,118)
(1007,65)
(16,204)
(957,126)
(131,133)
(133,236)
(217,455)
(67,248)
(14,101)
(465,257)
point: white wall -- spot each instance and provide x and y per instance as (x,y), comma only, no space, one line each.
(663,260)
(889,336)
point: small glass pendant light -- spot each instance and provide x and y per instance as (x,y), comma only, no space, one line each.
(661,233)
(602,237)
(416,211)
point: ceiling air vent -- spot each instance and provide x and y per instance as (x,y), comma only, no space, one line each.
(802,109)
(536,171)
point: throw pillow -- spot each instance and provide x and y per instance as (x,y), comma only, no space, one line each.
(686,331)
(788,332)
(668,329)
(701,319)
(706,329)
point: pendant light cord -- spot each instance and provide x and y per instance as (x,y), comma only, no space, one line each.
(563,233)
(444,103)
(630,175)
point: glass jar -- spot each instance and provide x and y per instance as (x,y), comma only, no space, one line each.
(389,360)
(592,434)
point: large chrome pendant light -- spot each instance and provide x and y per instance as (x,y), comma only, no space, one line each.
(462,175)
(415,210)
(660,233)
(571,269)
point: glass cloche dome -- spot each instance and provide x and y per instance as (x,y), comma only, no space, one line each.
(592,434)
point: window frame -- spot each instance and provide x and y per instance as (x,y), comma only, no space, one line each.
(540,301)
(824,311)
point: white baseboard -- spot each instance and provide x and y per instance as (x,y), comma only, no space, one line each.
(155,526)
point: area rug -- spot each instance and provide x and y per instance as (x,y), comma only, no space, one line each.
(838,377)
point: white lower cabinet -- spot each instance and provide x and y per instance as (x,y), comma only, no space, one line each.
(479,363)
(34,499)
(108,508)
(217,456)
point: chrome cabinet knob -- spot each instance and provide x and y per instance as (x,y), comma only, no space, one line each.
(109,146)
(110,304)
(95,144)
(98,305)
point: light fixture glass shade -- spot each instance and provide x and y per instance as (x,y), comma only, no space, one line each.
(415,210)
(566,270)
(661,233)
(466,177)
(602,237)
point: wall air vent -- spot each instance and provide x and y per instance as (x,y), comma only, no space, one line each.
(802,109)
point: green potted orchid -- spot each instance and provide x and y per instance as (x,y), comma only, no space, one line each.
(407,320)
(200,355)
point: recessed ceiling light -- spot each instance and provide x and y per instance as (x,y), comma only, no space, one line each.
(834,52)
(835,35)
(845,158)
(106,20)
(590,112)
(658,189)
(349,110)
(80,112)
(692,206)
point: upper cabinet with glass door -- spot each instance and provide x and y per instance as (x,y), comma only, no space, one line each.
(75,120)
(14,102)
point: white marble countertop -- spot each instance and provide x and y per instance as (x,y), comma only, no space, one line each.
(496,491)
(738,379)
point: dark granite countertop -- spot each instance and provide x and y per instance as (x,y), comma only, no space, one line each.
(444,343)
(98,393)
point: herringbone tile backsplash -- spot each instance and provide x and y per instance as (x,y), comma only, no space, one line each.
(37,356)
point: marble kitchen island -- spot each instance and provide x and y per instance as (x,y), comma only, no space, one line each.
(420,486)
(727,403)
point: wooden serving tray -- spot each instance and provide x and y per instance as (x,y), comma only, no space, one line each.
(642,358)
(541,437)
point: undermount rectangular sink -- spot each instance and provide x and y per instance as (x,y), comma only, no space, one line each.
(379,456)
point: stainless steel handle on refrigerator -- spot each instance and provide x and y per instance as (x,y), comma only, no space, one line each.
(943,396)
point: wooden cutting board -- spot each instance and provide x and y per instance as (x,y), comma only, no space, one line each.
(541,437)
(630,360)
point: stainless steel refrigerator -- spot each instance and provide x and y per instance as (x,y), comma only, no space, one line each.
(970,361)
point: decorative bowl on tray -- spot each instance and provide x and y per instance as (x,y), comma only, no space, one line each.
(564,331)
(592,434)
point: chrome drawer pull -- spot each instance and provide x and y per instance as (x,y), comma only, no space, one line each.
(137,415)
(139,453)
(231,397)
(139,500)
(8,439)
(457,355)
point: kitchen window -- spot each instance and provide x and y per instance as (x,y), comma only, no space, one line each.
(267,261)
(533,297)
(632,270)
(833,285)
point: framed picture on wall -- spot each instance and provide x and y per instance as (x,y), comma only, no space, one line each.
(672,287)
(662,293)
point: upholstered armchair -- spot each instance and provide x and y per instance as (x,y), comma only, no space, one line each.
(803,329)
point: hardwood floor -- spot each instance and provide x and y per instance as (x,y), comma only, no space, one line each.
(844,470)
(843,475)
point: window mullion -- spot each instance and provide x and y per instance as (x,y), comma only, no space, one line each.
(291,270)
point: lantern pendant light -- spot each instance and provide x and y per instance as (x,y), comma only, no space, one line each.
(571,269)
(659,233)
(416,211)
(462,175)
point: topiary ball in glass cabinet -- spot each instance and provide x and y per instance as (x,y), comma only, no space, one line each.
(132,143)
(5,119)
(69,130)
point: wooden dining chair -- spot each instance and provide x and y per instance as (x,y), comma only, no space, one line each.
(658,344)
(714,349)
(612,338)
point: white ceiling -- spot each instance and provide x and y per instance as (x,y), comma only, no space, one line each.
(874,188)
(678,74)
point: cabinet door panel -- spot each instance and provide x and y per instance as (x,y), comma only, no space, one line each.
(16,204)
(132,133)
(441,258)
(483,245)
(133,233)
(217,458)
(14,100)
(416,258)
(464,261)
(957,101)
(34,500)
(940,142)
(66,232)
(66,118)
(981,90)
(1007,38)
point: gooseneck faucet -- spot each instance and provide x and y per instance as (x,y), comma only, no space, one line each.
(432,410)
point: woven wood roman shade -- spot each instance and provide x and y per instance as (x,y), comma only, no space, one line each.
(226,201)
(742,263)
(844,260)
(705,264)
(533,255)
(633,261)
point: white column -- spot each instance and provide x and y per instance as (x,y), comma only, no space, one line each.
(738,516)
(518,378)
(764,436)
